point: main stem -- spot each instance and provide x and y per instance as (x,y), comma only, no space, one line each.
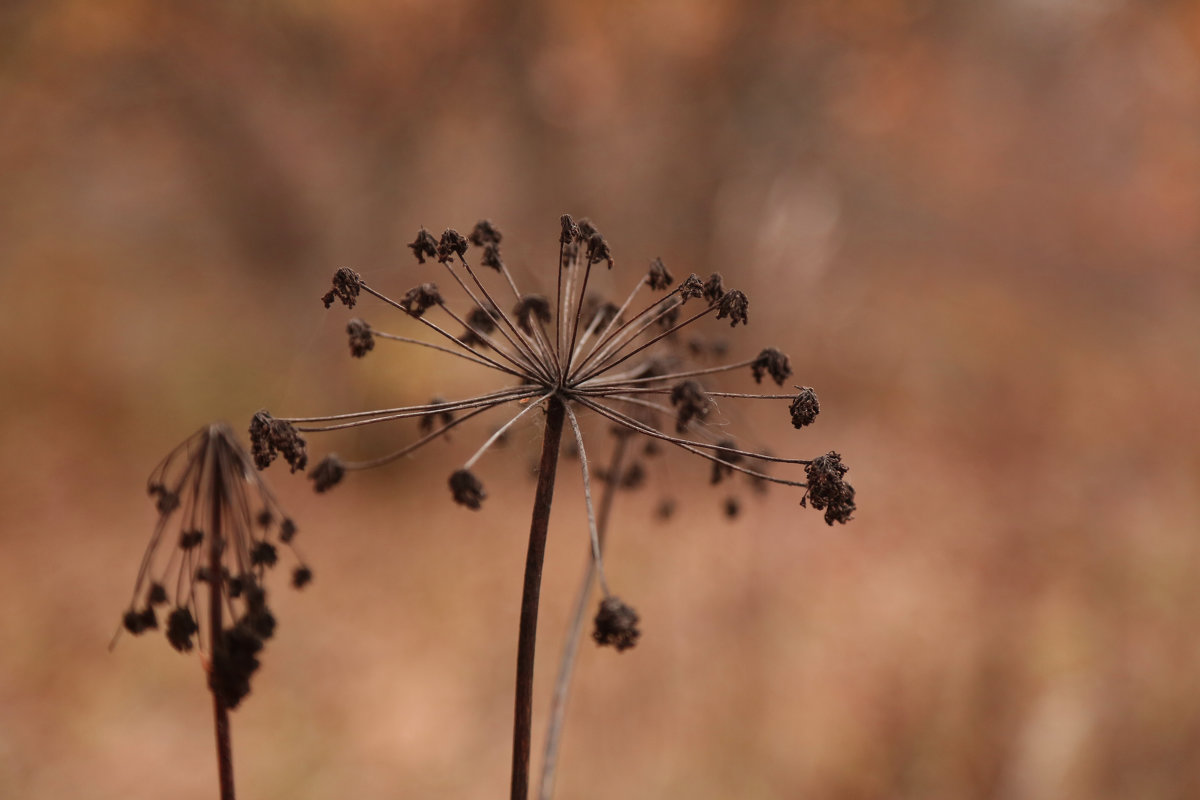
(220,712)
(527,637)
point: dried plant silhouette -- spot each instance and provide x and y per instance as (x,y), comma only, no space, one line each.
(567,357)
(227,527)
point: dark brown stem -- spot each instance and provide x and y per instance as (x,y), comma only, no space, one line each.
(527,637)
(220,712)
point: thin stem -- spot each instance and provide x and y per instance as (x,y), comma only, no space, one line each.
(604,363)
(421,319)
(694,447)
(607,341)
(387,415)
(395,338)
(604,389)
(419,443)
(502,430)
(566,668)
(220,712)
(520,344)
(618,381)
(530,595)
(587,496)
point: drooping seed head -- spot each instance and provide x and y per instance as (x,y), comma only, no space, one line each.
(691,403)
(466,489)
(362,341)
(714,287)
(734,306)
(485,233)
(346,285)
(328,473)
(530,307)
(659,278)
(491,257)
(827,488)
(723,466)
(616,624)
(270,437)
(804,407)
(419,299)
(773,362)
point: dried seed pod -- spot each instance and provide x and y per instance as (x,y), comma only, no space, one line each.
(346,285)
(616,624)
(804,407)
(467,489)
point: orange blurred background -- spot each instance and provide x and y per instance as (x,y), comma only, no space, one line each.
(975,227)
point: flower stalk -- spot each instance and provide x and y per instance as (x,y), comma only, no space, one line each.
(530,596)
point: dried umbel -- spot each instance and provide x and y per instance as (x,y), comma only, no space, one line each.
(219,529)
(573,358)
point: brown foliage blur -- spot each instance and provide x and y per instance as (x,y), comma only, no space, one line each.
(974,227)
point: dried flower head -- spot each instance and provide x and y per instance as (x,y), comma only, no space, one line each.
(269,437)
(659,278)
(228,528)
(621,364)
(361,340)
(346,283)
(771,362)
(827,488)
(804,407)
(616,624)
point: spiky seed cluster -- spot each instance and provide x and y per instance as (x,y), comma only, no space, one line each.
(227,528)
(615,361)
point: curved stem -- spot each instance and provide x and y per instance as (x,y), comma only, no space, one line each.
(566,667)
(530,595)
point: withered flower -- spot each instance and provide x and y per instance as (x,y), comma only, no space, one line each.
(616,624)
(361,340)
(424,246)
(659,278)
(714,288)
(268,437)
(421,298)
(771,361)
(691,403)
(827,488)
(466,489)
(734,306)
(229,527)
(346,285)
(804,407)
(327,473)
(452,244)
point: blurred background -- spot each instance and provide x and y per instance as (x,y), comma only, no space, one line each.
(975,228)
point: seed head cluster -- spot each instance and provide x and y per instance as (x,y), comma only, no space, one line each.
(219,527)
(615,362)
